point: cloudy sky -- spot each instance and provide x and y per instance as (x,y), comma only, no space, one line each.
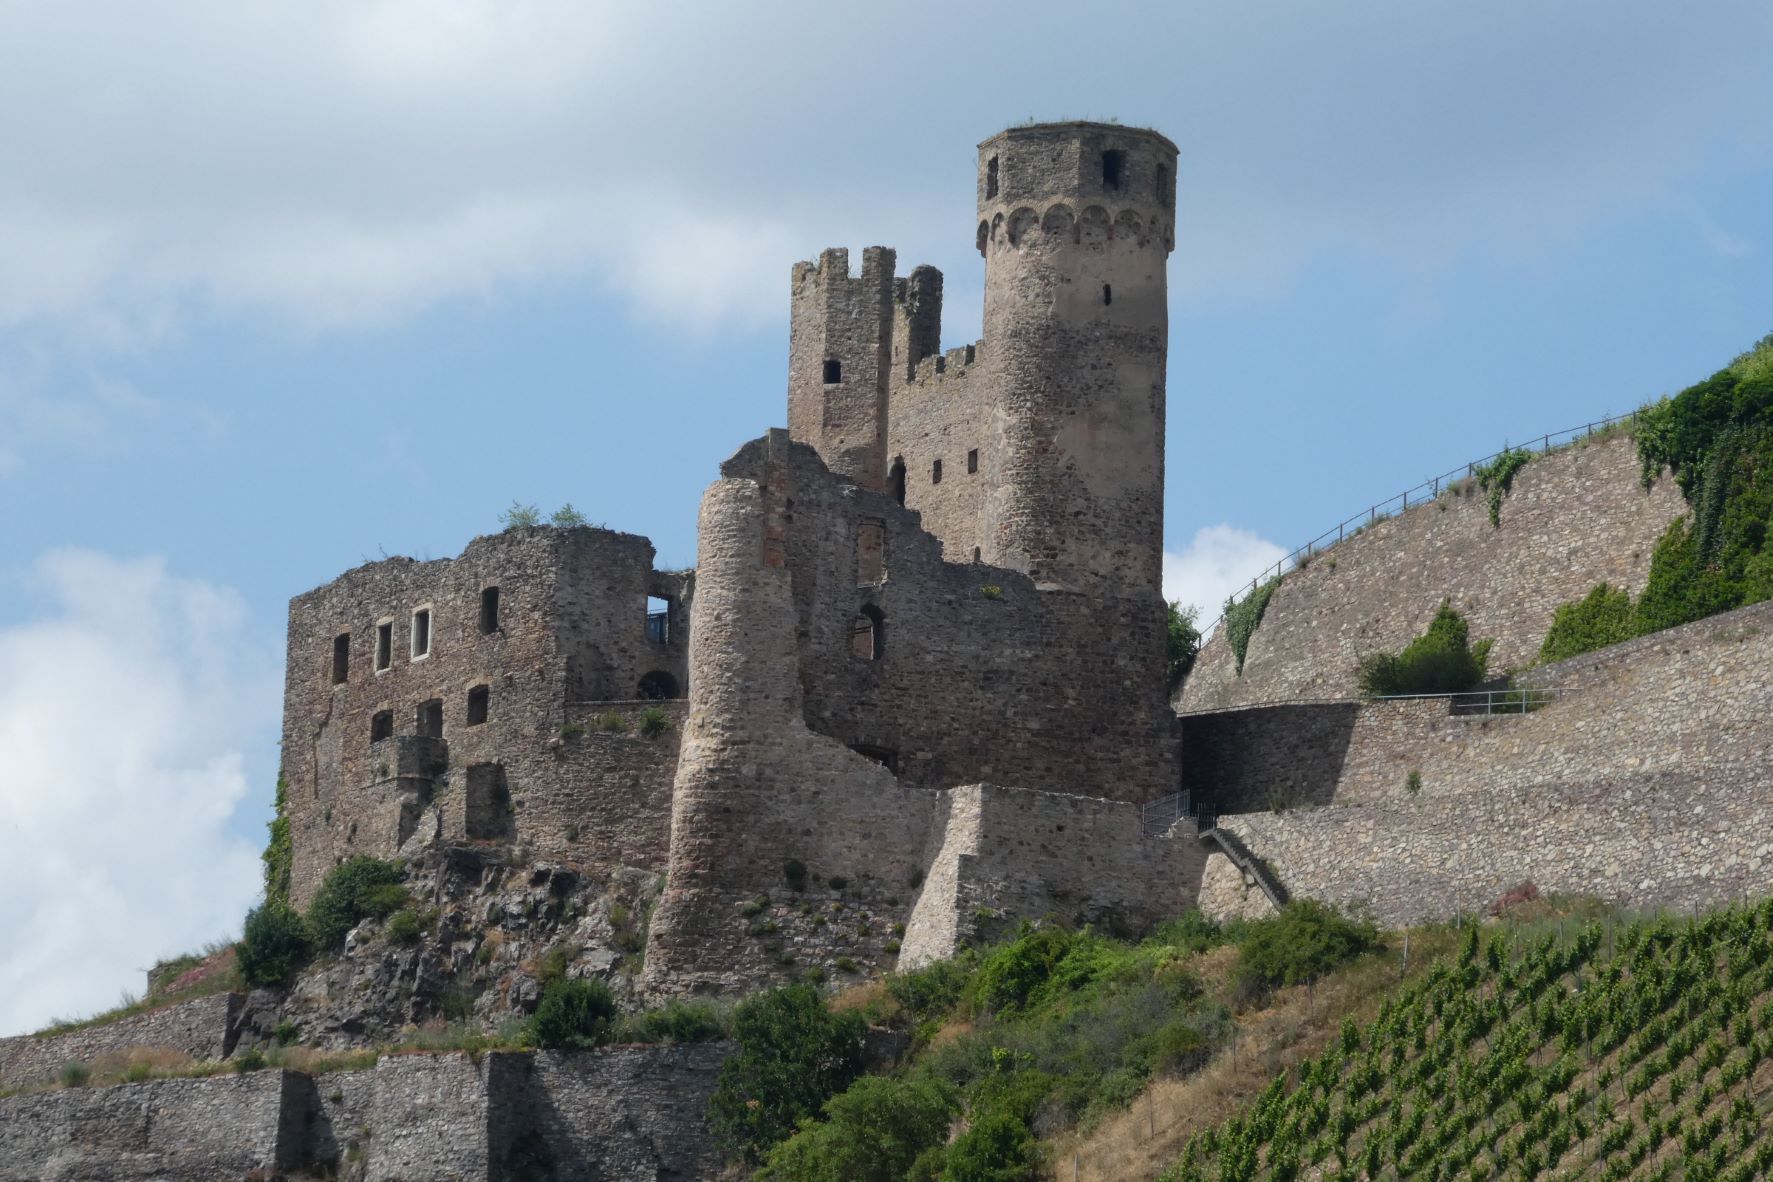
(288,286)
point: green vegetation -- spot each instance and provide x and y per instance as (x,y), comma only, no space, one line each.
(408,926)
(654,720)
(356,889)
(676,1021)
(574,1014)
(1241,619)
(1600,618)
(567,517)
(1440,661)
(793,1056)
(871,1132)
(1497,477)
(612,722)
(1184,643)
(278,852)
(1306,941)
(1586,1051)
(273,945)
(520,516)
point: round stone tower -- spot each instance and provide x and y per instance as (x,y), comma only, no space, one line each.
(1076,223)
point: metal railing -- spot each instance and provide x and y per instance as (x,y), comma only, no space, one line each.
(1524,700)
(658,627)
(1432,487)
(1156,818)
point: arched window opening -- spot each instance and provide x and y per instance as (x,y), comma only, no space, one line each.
(381,726)
(833,371)
(868,634)
(657,686)
(896,480)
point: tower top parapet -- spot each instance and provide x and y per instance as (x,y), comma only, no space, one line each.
(1077,161)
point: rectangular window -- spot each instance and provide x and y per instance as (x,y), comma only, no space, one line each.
(489,611)
(421,633)
(478,700)
(381,726)
(870,552)
(935,471)
(973,461)
(488,815)
(341,658)
(991,178)
(430,719)
(384,645)
(658,619)
(1114,165)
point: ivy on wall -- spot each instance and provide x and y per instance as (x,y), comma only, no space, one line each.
(277,850)
(1497,477)
(1241,619)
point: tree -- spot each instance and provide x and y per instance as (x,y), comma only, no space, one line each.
(273,944)
(1184,642)
(574,1015)
(354,890)
(793,1055)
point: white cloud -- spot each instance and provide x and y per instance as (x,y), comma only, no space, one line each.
(1219,560)
(125,710)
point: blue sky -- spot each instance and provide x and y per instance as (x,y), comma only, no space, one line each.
(285,287)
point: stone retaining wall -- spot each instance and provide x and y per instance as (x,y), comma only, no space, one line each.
(200,1029)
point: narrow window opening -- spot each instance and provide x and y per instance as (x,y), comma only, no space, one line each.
(430,719)
(341,658)
(975,553)
(868,634)
(870,553)
(991,178)
(478,699)
(381,726)
(384,646)
(1107,293)
(421,634)
(489,815)
(658,686)
(935,471)
(1114,164)
(1163,180)
(972,461)
(896,480)
(489,611)
(833,371)
(658,620)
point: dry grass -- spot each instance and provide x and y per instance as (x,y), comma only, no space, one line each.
(865,996)
(1295,1025)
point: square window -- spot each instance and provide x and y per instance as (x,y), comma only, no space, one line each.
(479,698)
(381,726)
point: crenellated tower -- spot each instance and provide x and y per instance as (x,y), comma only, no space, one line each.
(1076,226)
(840,345)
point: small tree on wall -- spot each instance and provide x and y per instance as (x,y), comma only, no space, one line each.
(1440,661)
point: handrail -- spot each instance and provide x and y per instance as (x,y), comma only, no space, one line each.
(1372,513)
(1518,700)
(1233,847)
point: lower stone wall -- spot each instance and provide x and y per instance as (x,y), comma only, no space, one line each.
(633,1114)
(1646,782)
(199,1030)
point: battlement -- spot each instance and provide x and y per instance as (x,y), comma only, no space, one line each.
(954,361)
(833,265)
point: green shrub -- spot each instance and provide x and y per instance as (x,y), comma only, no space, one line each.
(75,1075)
(251,1059)
(520,516)
(1183,643)
(272,946)
(574,1015)
(654,720)
(612,722)
(929,992)
(278,852)
(406,927)
(997,1147)
(1304,942)
(1241,619)
(793,1055)
(354,890)
(1598,619)
(1010,977)
(1192,931)
(1682,587)
(285,1034)
(567,517)
(872,1132)
(676,1021)
(1497,477)
(1440,661)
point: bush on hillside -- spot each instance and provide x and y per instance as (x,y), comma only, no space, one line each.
(1440,661)
(355,890)
(872,1132)
(574,1015)
(793,1055)
(676,1021)
(1011,975)
(997,1147)
(1305,941)
(273,945)
(1598,619)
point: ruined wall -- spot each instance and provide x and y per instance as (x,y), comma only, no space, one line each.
(1645,782)
(1575,518)
(571,626)
(202,1029)
(637,1114)
(941,414)
(840,346)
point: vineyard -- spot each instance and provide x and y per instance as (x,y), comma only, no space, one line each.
(1593,1051)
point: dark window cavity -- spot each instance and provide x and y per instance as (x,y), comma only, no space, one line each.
(868,634)
(991,178)
(341,658)
(973,461)
(870,552)
(381,726)
(935,471)
(975,553)
(896,480)
(1107,293)
(489,611)
(421,633)
(478,699)
(886,757)
(658,686)
(430,719)
(658,620)
(384,646)
(833,371)
(1114,167)
(489,813)
(1163,180)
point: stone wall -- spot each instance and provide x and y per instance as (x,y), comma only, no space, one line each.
(1575,518)
(202,1029)
(1644,782)
(941,414)
(571,628)
(633,1114)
